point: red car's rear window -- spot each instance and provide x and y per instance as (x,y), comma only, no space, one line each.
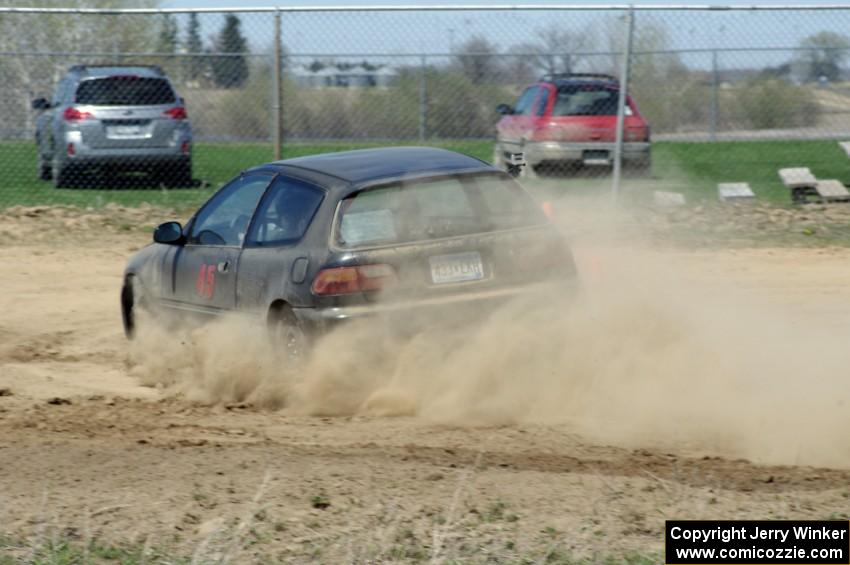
(586,100)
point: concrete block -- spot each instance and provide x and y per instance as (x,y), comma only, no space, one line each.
(735,191)
(797,177)
(668,199)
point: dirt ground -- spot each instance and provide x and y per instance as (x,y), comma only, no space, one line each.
(99,455)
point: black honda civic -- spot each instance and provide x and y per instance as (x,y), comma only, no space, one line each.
(303,244)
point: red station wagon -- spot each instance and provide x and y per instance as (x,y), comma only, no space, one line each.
(570,120)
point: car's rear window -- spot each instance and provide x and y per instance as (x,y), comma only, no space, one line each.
(432,209)
(125,91)
(586,100)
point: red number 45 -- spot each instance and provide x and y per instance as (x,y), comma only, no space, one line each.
(205,285)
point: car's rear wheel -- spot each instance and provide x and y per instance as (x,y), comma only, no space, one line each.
(289,337)
(45,169)
(175,174)
(64,176)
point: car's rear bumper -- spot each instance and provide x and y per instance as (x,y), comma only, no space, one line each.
(176,151)
(430,310)
(540,151)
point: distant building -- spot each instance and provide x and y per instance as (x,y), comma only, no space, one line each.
(356,76)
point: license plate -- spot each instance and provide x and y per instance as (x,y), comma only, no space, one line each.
(596,157)
(124,131)
(457,267)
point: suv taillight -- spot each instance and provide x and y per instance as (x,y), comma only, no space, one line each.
(176,113)
(74,115)
(350,280)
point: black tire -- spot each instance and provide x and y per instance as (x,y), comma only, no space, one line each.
(175,175)
(64,177)
(133,301)
(128,309)
(288,336)
(45,169)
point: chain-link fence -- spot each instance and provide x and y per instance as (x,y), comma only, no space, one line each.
(175,103)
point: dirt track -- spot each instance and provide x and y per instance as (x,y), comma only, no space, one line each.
(88,453)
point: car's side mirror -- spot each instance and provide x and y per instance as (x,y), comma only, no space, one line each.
(40,104)
(504,109)
(169,233)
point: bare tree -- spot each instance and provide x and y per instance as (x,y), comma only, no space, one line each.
(559,50)
(478,60)
(822,56)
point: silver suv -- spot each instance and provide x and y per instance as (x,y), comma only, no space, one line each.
(113,118)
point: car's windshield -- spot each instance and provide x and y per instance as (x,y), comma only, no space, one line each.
(431,209)
(586,100)
(125,91)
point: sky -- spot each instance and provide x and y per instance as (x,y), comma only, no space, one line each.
(395,33)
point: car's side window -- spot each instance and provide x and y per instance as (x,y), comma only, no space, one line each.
(525,102)
(285,213)
(225,218)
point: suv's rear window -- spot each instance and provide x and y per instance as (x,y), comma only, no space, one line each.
(423,210)
(586,100)
(125,91)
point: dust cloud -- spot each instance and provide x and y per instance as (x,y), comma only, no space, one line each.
(646,355)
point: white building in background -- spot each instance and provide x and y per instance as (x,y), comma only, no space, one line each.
(356,76)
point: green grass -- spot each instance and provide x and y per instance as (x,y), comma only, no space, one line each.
(214,164)
(691,168)
(696,168)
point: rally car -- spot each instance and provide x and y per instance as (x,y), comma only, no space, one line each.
(304,244)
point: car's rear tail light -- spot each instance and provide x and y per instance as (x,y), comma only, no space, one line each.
(71,150)
(185,148)
(74,115)
(176,113)
(639,133)
(350,280)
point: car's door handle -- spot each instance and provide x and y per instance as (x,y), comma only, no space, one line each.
(224,266)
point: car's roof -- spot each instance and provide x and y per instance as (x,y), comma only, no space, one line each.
(581,79)
(107,71)
(369,165)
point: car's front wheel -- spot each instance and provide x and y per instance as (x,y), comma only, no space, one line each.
(133,303)
(288,335)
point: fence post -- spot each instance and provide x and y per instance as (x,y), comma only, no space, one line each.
(277,93)
(423,100)
(715,105)
(621,102)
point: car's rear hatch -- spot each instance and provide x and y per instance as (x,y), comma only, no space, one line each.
(128,112)
(447,237)
(583,113)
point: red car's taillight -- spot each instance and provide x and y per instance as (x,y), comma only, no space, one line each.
(176,113)
(350,280)
(637,133)
(74,115)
